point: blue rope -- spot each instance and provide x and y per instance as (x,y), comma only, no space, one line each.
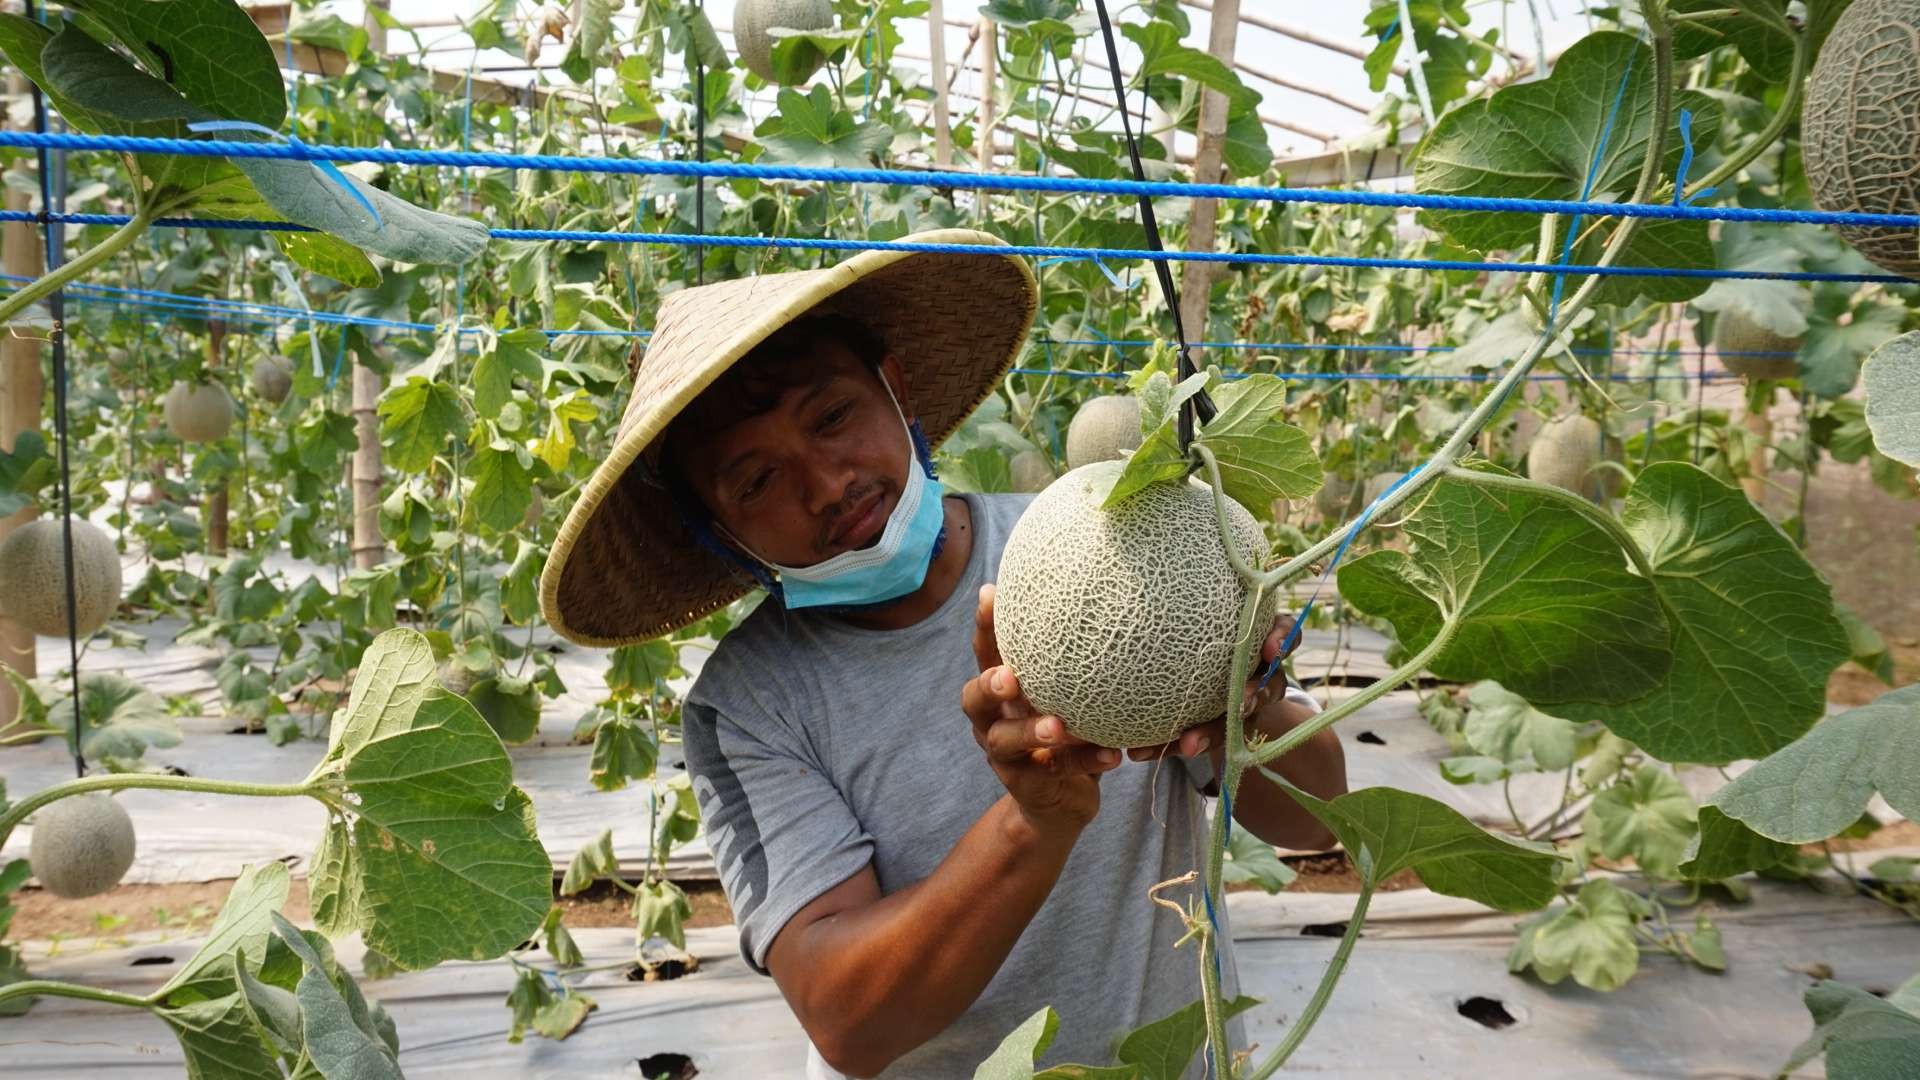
(1306,346)
(931,178)
(1376,376)
(796,243)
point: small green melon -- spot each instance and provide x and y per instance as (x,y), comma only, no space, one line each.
(753,18)
(1122,621)
(272,379)
(198,412)
(1102,428)
(1735,334)
(82,845)
(1030,470)
(33,577)
(1566,454)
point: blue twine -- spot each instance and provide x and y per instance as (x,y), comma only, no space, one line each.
(933,178)
(1378,376)
(795,243)
(1680,197)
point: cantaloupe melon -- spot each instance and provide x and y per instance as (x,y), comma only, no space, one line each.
(272,379)
(1030,471)
(82,845)
(1566,453)
(1335,497)
(1102,428)
(1860,127)
(753,18)
(198,412)
(1122,622)
(33,577)
(1734,335)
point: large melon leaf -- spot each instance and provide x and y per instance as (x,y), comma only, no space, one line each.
(1541,597)
(208,50)
(1891,378)
(1754,634)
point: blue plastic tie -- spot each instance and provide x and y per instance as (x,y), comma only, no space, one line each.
(1680,198)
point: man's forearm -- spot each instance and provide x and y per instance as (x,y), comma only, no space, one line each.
(1318,767)
(906,966)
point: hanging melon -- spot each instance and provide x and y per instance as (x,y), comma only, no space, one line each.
(1567,454)
(1860,128)
(753,18)
(272,379)
(33,577)
(1102,428)
(1735,334)
(82,845)
(1122,621)
(1335,497)
(1030,470)
(198,412)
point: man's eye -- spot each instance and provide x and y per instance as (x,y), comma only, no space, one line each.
(755,486)
(834,415)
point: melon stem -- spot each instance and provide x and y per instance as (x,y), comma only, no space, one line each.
(1323,993)
(19,811)
(32,988)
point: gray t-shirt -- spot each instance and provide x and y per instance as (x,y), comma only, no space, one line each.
(818,748)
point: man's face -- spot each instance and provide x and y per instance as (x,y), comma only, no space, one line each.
(815,475)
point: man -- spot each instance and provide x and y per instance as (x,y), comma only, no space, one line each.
(918,860)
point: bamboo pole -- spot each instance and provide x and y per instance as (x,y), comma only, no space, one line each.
(363,472)
(21,389)
(1196,278)
(937,47)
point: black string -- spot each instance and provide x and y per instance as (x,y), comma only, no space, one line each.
(57,308)
(1199,404)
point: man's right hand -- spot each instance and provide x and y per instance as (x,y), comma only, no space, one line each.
(1052,776)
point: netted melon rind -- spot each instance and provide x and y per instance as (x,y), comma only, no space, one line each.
(272,379)
(82,845)
(1564,454)
(753,18)
(1102,428)
(1030,471)
(198,412)
(1122,622)
(33,577)
(1734,334)
(1860,127)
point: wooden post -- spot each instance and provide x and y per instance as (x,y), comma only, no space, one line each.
(937,50)
(216,508)
(989,74)
(363,473)
(1196,278)
(21,389)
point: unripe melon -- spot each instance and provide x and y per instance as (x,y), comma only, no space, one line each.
(33,577)
(1122,621)
(82,845)
(1030,471)
(1860,128)
(198,412)
(1335,496)
(1378,483)
(1735,334)
(272,379)
(1565,453)
(753,18)
(1102,428)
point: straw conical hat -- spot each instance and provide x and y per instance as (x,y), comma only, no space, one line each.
(625,568)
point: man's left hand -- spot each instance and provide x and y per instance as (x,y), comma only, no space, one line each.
(1254,699)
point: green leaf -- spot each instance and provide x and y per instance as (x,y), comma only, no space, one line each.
(1540,139)
(1543,598)
(1777,306)
(1162,53)
(1452,855)
(1646,814)
(1891,379)
(558,941)
(1820,784)
(638,668)
(1162,1049)
(240,931)
(515,353)
(219,1040)
(122,718)
(817,132)
(1753,630)
(1869,649)
(1679,245)
(797,54)
(502,485)
(982,469)
(1246,152)
(622,751)
(416,417)
(1251,859)
(1262,457)
(591,862)
(208,50)
(1501,725)
(23,41)
(329,31)
(1840,333)
(328,255)
(1757,28)
(1724,847)
(1863,1037)
(1013,1059)
(336,891)
(24,471)
(660,909)
(1591,938)
(340,1034)
(510,706)
(590,39)
(304,194)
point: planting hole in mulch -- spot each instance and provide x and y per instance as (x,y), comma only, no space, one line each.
(1487,1012)
(668,1066)
(151,961)
(1325,929)
(673,967)
(1370,739)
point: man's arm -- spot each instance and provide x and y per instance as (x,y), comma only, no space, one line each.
(873,977)
(1317,766)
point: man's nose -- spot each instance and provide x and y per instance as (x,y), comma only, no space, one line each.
(827,483)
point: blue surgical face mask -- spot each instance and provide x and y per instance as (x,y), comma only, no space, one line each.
(890,568)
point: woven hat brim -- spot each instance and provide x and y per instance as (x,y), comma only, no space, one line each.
(624,568)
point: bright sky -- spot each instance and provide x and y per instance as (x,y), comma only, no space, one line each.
(1560,23)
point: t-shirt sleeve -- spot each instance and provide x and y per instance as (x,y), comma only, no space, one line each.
(778,828)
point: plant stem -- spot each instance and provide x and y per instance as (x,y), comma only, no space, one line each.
(1788,111)
(30,988)
(1274,749)
(19,811)
(1322,993)
(95,255)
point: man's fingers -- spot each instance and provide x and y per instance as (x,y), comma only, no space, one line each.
(986,648)
(1192,743)
(1013,738)
(985,698)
